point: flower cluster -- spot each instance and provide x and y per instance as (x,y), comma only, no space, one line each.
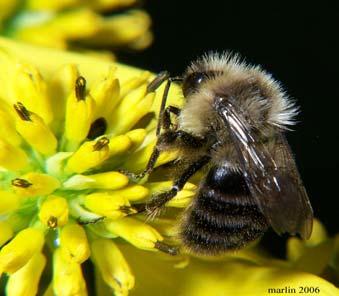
(77,23)
(61,145)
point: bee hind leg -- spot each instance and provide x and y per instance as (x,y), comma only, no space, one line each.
(158,201)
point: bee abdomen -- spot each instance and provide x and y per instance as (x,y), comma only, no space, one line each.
(223,215)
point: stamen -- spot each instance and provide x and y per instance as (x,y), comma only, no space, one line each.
(97,129)
(21,110)
(21,183)
(80,88)
(52,222)
(101,143)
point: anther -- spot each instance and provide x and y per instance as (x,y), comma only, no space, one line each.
(52,222)
(80,88)
(21,110)
(101,143)
(21,183)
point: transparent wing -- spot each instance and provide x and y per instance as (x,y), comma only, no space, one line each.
(272,178)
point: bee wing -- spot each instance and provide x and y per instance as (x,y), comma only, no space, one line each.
(273,179)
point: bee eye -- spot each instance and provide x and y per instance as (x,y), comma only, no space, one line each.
(192,82)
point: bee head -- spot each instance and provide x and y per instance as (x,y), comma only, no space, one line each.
(204,68)
(192,82)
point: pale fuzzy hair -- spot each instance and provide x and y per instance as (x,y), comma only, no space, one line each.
(230,67)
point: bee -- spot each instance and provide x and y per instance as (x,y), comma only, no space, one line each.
(232,124)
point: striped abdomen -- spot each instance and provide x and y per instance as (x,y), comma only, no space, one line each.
(223,215)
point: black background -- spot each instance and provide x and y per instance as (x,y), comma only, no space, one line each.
(297,44)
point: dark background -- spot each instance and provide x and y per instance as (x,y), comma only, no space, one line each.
(297,44)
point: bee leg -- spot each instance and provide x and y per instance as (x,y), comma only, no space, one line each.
(179,136)
(149,167)
(167,138)
(168,249)
(157,81)
(153,85)
(163,102)
(156,204)
(166,120)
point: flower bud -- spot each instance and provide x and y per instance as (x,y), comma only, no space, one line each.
(113,266)
(108,204)
(54,211)
(34,130)
(106,180)
(89,155)
(67,276)
(12,157)
(73,242)
(8,202)
(6,232)
(21,249)
(138,233)
(35,184)
(25,281)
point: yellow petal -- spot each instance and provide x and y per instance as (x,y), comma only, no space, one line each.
(53,5)
(30,88)
(74,24)
(89,155)
(60,86)
(6,232)
(34,130)
(138,160)
(108,204)
(21,249)
(113,266)
(73,242)
(79,114)
(67,276)
(122,29)
(54,211)
(8,202)
(122,119)
(8,131)
(35,184)
(138,233)
(133,192)
(118,145)
(134,82)
(90,67)
(12,157)
(25,281)
(107,180)
(106,94)
(222,277)
(137,136)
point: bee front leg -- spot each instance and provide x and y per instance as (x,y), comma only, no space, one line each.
(164,121)
(157,202)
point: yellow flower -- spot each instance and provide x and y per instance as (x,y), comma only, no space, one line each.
(75,23)
(60,165)
(72,122)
